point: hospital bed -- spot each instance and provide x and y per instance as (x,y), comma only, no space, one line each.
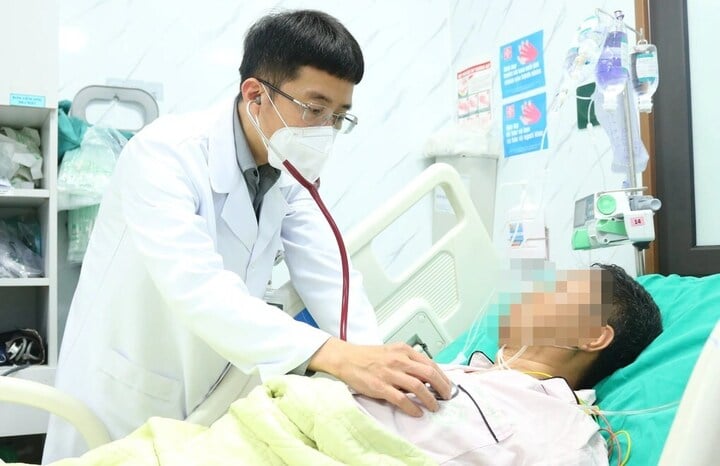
(428,305)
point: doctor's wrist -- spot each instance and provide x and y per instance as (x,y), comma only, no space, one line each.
(329,357)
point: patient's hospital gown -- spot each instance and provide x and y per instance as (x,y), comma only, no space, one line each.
(501,417)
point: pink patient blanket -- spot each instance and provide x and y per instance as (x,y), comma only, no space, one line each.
(501,417)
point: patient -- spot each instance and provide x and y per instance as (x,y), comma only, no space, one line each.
(555,339)
(558,340)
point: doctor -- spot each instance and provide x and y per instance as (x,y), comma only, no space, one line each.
(186,238)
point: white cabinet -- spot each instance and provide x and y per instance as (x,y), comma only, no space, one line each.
(28,98)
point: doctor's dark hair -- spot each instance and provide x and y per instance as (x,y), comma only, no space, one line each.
(635,319)
(278,44)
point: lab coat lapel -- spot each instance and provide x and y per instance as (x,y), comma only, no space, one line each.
(239,215)
(274,208)
(225,177)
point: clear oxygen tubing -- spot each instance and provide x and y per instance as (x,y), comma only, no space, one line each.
(506,364)
(338,237)
(595,410)
(591,410)
(630,412)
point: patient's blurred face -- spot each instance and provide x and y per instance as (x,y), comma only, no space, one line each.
(570,311)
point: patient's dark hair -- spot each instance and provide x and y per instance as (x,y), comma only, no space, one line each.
(634,317)
(278,44)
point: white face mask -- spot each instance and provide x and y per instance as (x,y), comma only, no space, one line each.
(306,148)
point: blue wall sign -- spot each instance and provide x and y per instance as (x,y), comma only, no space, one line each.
(524,123)
(522,65)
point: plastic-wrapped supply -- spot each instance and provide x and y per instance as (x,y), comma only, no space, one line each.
(20,158)
(29,137)
(27,229)
(19,251)
(85,172)
(7,166)
(80,225)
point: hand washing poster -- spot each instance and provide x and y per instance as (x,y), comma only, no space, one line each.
(474,85)
(524,123)
(522,67)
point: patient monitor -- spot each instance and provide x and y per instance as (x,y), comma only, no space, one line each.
(436,299)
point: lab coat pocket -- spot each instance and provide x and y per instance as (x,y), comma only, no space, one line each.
(143,393)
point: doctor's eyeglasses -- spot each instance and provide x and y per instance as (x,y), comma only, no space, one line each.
(319,115)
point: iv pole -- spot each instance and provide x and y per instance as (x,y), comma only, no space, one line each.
(632,175)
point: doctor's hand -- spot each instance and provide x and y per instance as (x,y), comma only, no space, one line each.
(388,372)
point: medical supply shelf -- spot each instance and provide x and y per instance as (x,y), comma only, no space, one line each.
(26,302)
(32,302)
(40,204)
(28,98)
(24,197)
(8,282)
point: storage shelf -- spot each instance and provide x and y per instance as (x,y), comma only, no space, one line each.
(23,197)
(42,373)
(29,98)
(18,117)
(40,281)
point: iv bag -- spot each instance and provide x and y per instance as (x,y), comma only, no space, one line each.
(581,57)
(644,71)
(611,74)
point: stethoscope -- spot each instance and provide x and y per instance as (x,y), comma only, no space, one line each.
(312,189)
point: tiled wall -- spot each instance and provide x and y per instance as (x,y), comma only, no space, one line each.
(412,49)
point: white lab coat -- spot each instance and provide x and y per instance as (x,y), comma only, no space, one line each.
(170,292)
